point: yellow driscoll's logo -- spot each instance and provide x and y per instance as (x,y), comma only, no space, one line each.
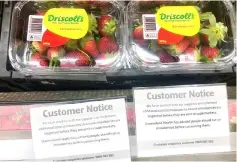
(67,22)
(182,20)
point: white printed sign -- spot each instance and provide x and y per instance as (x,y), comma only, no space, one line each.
(90,131)
(181,120)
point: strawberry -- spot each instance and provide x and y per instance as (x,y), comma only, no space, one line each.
(138,33)
(178,48)
(194,40)
(209,53)
(74,59)
(38,47)
(105,59)
(107,45)
(107,25)
(55,52)
(138,36)
(88,44)
(165,57)
(37,60)
(192,53)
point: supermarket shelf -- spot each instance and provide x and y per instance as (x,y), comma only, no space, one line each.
(122,73)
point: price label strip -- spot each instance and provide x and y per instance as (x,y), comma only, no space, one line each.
(181,120)
(89,131)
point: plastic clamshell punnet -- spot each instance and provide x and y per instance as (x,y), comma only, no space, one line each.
(38,47)
(153,46)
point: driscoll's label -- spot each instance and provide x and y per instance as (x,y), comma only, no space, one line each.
(67,22)
(171,23)
(57,26)
(182,20)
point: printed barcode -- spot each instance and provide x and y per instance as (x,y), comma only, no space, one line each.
(36,25)
(150,27)
(35,28)
(150,23)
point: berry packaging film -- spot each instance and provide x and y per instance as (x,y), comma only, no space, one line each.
(181,35)
(66,37)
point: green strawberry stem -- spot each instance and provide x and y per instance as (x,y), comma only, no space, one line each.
(110,27)
(215,33)
(97,37)
(92,24)
(135,25)
(208,16)
(32,48)
(51,63)
(204,59)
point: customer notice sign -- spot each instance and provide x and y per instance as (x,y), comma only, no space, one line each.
(181,120)
(88,131)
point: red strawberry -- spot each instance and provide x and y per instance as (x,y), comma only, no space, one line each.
(191,54)
(138,33)
(209,52)
(74,59)
(88,44)
(194,40)
(107,25)
(165,57)
(38,47)
(107,45)
(37,60)
(179,48)
(138,36)
(105,59)
(191,51)
(55,52)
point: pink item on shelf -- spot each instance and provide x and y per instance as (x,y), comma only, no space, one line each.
(131,115)
(232,111)
(15,117)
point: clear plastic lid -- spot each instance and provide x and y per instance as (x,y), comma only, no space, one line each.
(181,35)
(69,37)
